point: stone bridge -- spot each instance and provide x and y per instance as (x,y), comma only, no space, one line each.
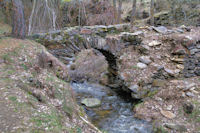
(69,41)
(140,70)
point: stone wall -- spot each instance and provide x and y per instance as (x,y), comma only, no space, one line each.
(192,61)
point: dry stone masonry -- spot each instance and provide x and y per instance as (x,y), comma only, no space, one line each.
(138,61)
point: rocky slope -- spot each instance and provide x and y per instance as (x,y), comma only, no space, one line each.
(33,96)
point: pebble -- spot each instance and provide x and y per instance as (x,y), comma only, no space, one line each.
(168,114)
(172,72)
(169,107)
(177,127)
(145,59)
(134,88)
(189,86)
(161,29)
(154,43)
(189,94)
(141,65)
(193,51)
(181,67)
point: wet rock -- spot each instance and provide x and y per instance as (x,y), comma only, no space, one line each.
(141,65)
(177,127)
(168,114)
(158,83)
(188,108)
(145,59)
(154,43)
(161,29)
(91,102)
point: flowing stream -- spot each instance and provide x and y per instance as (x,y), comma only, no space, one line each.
(115,115)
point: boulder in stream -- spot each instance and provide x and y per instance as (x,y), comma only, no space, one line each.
(91,102)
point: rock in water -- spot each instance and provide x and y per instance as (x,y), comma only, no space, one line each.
(91,102)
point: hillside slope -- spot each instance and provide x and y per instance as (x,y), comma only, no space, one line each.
(33,99)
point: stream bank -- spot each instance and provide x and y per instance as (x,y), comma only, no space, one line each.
(115,115)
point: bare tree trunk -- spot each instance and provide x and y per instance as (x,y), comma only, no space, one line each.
(152,12)
(119,12)
(79,13)
(31,18)
(115,10)
(18,19)
(133,14)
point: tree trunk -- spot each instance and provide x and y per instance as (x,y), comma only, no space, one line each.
(133,14)
(152,12)
(31,18)
(119,12)
(115,10)
(18,19)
